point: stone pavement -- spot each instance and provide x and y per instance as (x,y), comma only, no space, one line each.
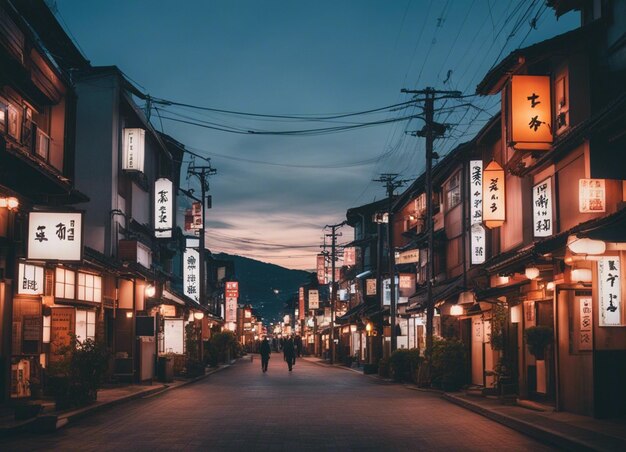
(564,430)
(49,419)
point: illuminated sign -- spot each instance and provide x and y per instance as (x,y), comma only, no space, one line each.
(134,149)
(300,313)
(232,289)
(321,269)
(314,299)
(585,326)
(542,208)
(477,244)
(408,257)
(493,196)
(610,291)
(163,208)
(476,191)
(531,112)
(31,280)
(591,195)
(55,236)
(387,291)
(370,287)
(231,309)
(349,256)
(191,274)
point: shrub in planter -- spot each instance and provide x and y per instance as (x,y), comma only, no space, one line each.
(222,346)
(448,364)
(403,364)
(538,338)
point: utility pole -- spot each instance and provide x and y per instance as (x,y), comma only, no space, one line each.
(203,173)
(333,289)
(430,131)
(391,183)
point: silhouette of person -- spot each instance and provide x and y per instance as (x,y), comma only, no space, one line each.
(265,351)
(289,353)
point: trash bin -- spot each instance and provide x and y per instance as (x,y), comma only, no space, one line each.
(165,369)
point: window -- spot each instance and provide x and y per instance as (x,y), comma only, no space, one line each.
(85,324)
(89,287)
(561,104)
(3,116)
(14,128)
(65,282)
(453,191)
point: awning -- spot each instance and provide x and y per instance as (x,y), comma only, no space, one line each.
(442,291)
(612,229)
(365,274)
(173,297)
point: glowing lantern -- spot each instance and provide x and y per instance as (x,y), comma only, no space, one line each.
(494,213)
(585,245)
(456,310)
(532,272)
(531,112)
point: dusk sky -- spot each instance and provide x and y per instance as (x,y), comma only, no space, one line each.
(273,193)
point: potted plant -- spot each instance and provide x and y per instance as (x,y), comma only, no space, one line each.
(538,338)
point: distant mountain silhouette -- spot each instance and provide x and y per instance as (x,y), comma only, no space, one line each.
(257,281)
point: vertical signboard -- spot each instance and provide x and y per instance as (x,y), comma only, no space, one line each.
(134,149)
(231,310)
(585,338)
(542,208)
(349,256)
(55,236)
(591,195)
(476,191)
(232,289)
(314,299)
(191,274)
(321,270)
(163,208)
(531,112)
(31,279)
(494,212)
(610,291)
(301,303)
(478,244)
(370,287)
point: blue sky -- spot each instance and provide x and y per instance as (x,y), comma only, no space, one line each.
(303,58)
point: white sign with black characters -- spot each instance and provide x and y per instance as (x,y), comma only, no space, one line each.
(476,191)
(163,208)
(610,291)
(55,236)
(585,338)
(314,299)
(134,150)
(191,274)
(542,209)
(31,279)
(478,244)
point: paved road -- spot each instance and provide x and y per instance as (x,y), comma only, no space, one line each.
(312,408)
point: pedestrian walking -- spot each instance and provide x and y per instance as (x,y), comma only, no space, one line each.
(289,353)
(265,351)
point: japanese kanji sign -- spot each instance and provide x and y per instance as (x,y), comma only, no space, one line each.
(349,256)
(370,287)
(134,149)
(321,269)
(231,310)
(232,289)
(531,112)
(610,291)
(31,280)
(542,209)
(591,195)
(408,257)
(300,314)
(477,244)
(494,212)
(476,191)
(314,299)
(585,330)
(163,208)
(191,274)
(55,236)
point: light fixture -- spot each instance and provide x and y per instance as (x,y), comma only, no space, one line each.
(456,310)
(190,318)
(466,297)
(4,202)
(582,275)
(199,316)
(368,328)
(585,245)
(516,313)
(129,314)
(550,286)
(150,291)
(13,203)
(531,272)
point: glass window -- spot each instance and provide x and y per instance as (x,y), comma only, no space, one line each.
(65,283)
(85,324)
(453,191)
(89,287)
(14,122)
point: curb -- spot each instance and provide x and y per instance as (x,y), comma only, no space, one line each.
(542,434)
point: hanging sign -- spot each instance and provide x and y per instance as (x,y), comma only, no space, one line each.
(477,244)
(408,257)
(163,208)
(314,299)
(191,274)
(231,309)
(610,291)
(542,208)
(31,280)
(493,196)
(300,313)
(55,236)
(387,291)
(349,256)
(134,149)
(321,271)
(232,289)
(585,337)
(476,191)
(531,112)
(370,287)
(591,195)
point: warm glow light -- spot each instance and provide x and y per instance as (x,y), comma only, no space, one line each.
(13,203)
(456,310)
(516,314)
(4,202)
(550,286)
(129,315)
(531,272)
(200,316)
(150,291)
(581,275)
(368,327)
(466,297)
(585,245)
(494,211)
(530,114)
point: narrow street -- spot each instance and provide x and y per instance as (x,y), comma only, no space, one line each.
(312,408)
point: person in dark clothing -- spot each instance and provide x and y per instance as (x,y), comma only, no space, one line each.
(289,353)
(298,345)
(265,351)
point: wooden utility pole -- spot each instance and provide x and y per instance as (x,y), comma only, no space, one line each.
(333,287)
